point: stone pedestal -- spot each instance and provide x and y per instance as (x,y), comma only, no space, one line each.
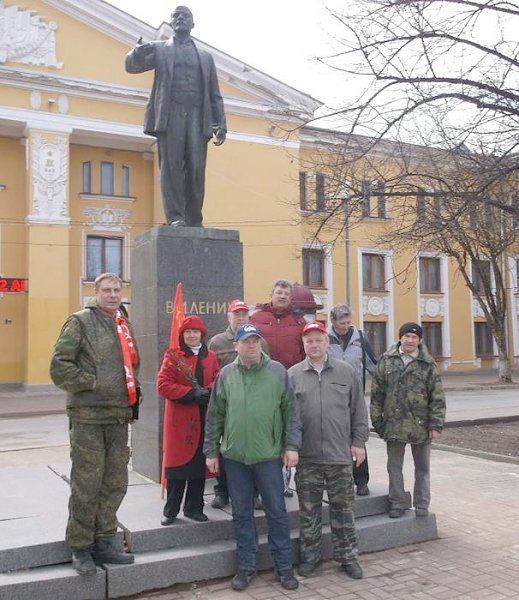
(209,263)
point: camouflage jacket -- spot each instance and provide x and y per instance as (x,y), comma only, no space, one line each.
(87,363)
(407,401)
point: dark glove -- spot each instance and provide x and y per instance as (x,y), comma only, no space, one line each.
(202,396)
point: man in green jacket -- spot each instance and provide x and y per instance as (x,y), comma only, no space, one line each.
(251,422)
(408,407)
(89,364)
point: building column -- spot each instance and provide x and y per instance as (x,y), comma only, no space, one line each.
(48,248)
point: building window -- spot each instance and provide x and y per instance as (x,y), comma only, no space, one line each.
(428,206)
(107,178)
(374,272)
(432,336)
(375,332)
(125,181)
(302,191)
(481,276)
(430,280)
(320,200)
(371,191)
(483,339)
(87,177)
(313,267)
(312,191)
(103,254)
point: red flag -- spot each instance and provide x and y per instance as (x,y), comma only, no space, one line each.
(177,318)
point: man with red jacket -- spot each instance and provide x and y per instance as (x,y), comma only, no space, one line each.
(281,325)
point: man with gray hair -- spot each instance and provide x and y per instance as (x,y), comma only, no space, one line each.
(348,343)
(95,361)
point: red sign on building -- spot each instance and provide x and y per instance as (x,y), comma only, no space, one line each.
(12,285)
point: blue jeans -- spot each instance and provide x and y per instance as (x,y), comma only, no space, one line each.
(268,478)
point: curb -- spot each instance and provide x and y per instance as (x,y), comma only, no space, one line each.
(477,453)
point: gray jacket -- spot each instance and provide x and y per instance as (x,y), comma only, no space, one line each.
(352,354)
(332,411)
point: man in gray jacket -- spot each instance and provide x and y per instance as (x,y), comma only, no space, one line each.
(349,344)
(334,431)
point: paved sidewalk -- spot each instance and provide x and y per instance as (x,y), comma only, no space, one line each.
(476,556)
(15,402)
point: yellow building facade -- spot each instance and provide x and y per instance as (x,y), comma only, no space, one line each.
(79,183)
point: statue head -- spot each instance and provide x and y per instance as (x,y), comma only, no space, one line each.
(182,21)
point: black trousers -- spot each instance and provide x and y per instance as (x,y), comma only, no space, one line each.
(194,501)
(361,474)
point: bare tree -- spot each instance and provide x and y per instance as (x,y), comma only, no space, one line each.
(436,128)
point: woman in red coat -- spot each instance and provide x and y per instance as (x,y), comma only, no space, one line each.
(184,381)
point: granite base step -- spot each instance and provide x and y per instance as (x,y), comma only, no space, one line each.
(199,561)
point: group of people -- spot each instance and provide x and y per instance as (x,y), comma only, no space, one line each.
(270,393)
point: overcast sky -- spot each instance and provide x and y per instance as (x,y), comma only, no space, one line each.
(279,37)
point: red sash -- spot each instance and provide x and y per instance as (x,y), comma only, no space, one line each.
(129,353)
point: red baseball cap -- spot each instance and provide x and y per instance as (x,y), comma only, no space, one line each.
(314,326)
(237,305)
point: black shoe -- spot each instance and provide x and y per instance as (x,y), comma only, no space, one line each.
(242,579)
(396,513)
(288,494)
(196,516)
(83,562)
(421,512)
(363,489)
(306,569)
(288,581)
(106,552)
(352,568)
(258,504)
(220,501)
(167,520)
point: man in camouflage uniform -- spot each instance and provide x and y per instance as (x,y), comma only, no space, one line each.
(88,364)
(334,422)
(408,407)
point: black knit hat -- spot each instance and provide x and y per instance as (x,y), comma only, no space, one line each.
(410,328)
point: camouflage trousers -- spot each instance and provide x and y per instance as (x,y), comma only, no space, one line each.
(98,481)
(311,481)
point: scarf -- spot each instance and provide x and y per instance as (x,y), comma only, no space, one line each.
(129,353)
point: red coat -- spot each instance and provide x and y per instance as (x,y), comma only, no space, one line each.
(182,426)
(283,333)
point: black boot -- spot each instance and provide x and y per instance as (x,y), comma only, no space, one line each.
(105,551)
(83,562)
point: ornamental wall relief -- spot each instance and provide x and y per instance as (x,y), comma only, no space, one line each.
(375,305)
(107,218)
(26,38)
(432,307)
(49,162)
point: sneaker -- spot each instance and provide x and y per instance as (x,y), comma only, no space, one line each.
(421,512)
(352,568)
(105,551)
(167,520)
(83,562)
(288,493)
(258,504)
(288,581)
(363,489)
(196,516)
(306,569)
(396,513)
(242,579)
(220,501)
